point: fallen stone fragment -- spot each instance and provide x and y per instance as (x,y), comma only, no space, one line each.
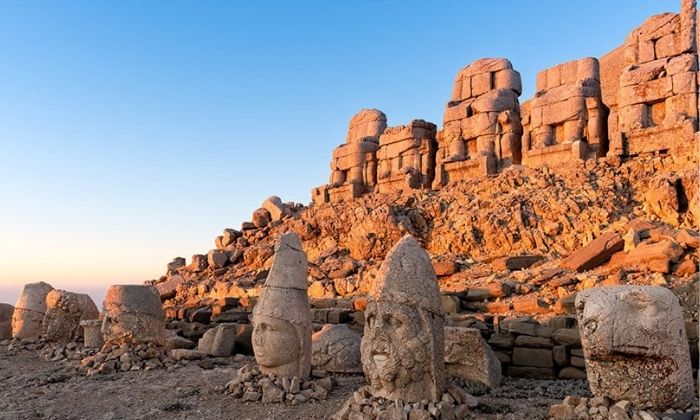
(336,348)
(595,253)
(29,312)
(64,312)
(468,356)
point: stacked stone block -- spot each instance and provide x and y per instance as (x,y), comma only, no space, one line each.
(406,157)
(566,120)
(482,127)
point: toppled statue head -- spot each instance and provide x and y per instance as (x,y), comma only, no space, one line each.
(282,316)
(403,343)
(64,311)
(133,314)
(635,346)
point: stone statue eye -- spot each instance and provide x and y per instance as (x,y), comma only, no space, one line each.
(394,322)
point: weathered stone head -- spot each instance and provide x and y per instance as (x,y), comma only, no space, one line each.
(133,314)
(368,124)
(29,311)
(635,346)
(336,348)
(282,317)
(64,311)
(403,343)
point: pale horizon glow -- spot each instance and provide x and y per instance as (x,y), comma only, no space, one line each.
(135,132)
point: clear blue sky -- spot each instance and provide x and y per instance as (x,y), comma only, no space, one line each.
(135,131)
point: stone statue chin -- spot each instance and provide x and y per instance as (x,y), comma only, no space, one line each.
(277,346)
(395,349)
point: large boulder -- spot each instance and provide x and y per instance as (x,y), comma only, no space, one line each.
(64,311)
(218,341)
(30,310)
(635,346)
(336,348)
(597,252)
(468,356)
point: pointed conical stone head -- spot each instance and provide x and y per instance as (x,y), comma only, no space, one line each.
(403,343)
(282,316)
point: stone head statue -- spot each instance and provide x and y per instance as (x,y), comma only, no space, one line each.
(133,314)
(282,316)
(64,311)
(635,345)
(403,343)
(29,311)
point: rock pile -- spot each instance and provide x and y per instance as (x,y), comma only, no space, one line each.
(601,408)
(126,357)
(252,385)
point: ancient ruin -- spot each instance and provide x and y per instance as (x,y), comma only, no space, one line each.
(566,119)
(336,348)
(635,346)
(30,310)
(482,129)
(281,318)
(133,315)
(406,157)
(64,313)
(403,342)
(354,164)
(6,311)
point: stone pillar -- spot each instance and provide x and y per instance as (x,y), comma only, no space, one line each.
(92,333)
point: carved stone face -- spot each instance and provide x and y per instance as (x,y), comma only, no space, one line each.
(131,327)
(276,345)
(395,348)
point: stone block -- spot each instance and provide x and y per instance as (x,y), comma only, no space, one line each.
(597,252)
(467,356)
(336,348)
(532,357)
(531,372)
(570,372)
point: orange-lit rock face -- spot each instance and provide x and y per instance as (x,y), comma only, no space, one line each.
(482,130)
(658,90)
(406,157)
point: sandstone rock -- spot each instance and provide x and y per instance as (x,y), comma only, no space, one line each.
(168,288)
(229,237)
(467,356)
(274,205)
(64,311)
(336,349)
(217,258)
(218,341)
(655,257)
(185,354)
(6,311)
(595,253)
(133,314)
(282,317)
(199,263)
(29,311)
(175,264)
(634,342)
(261,218)
(663,198)
(174,341)
(403,343)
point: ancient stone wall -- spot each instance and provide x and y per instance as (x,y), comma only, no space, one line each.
(566,119)
(658,93)
(640,98)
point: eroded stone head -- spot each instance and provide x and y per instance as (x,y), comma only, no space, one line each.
(282,316)
(403,343)
(635,347)
(133,314)
(64,311)
(29,311)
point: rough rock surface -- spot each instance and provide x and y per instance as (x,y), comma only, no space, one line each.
(133,314)
(635,346)
(336,348)
(30,310)
(64,311)
(469,357)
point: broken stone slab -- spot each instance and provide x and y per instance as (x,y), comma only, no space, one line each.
(635,346)
(336,348)
(217,258)
(174,341)
(185,354)
(276,208)
(518,262)
(468,356)
(597,252)
(28,316)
